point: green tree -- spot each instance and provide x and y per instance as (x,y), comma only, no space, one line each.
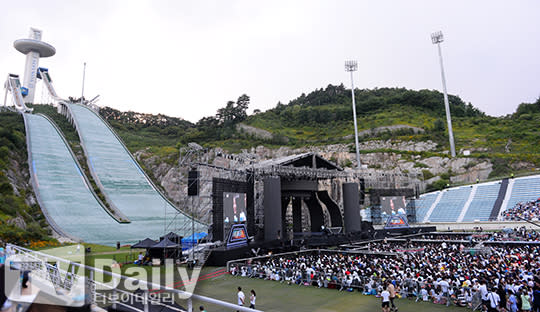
(242,105)
(438,126)
(225,115)
(233,113)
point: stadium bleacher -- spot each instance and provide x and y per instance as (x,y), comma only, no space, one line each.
(424,203)
(450,205)
(482,202)
(523,190)
(475,202)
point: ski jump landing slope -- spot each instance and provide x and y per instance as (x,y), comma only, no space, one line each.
(121,179)
(66,197)
(63,193)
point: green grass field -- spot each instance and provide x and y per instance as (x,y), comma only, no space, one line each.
(275,296)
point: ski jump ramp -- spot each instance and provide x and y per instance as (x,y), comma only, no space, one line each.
(67,199)
(119,176)
(63,193)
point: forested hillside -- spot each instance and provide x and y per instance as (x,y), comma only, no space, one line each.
(142,130)
(324,117)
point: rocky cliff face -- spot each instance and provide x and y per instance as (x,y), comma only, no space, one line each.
(170,178)
(398,161)
(19,178)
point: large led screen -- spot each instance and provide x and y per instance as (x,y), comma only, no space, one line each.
(234,210)
(234,207)
(392,205)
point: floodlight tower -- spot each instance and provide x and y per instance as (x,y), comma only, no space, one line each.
(352,66)
(437,38)
(34,48)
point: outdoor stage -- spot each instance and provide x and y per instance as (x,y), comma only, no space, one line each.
(296,201)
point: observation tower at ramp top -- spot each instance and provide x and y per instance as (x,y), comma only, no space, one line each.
(34,48)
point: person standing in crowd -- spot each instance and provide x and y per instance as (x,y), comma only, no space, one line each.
(512,301)
(525,299)
(445,290)
(484,293)
(241,296)
(493,301)
(201,308)
(536,297)
(501,291)
(252,298)
(392,290)
(385,295)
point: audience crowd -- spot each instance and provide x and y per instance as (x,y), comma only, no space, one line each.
(519,234)
(528,211)
(444,272)
(508,234)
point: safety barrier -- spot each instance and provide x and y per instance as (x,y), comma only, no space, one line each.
(40,265)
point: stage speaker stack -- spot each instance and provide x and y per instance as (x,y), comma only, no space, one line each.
(193,183)
(272,209)
(351,208)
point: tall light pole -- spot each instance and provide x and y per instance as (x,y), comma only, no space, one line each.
(83,74)
(437,38)
(352,66)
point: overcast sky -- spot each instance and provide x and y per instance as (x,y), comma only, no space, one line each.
(188,58)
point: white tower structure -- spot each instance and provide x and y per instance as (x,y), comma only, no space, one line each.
(34,48)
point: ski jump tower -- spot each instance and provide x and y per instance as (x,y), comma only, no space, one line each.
(34,48)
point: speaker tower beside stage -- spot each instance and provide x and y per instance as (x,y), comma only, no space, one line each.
(351,208)
(193,183)
(272,209)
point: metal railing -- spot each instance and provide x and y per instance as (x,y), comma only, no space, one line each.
(39,264)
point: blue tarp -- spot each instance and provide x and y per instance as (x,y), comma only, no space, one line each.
(190,241)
